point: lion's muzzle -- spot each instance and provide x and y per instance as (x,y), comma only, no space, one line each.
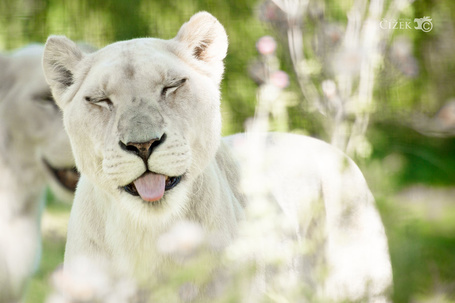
(143,149)
(150,186)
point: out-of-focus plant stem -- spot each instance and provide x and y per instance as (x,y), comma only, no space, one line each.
(346,112)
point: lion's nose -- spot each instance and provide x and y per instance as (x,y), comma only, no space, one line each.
(142,149)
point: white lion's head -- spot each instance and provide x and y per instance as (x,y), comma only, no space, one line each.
(143,115)
(33,142)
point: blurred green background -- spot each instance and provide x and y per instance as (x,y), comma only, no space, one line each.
(411,167)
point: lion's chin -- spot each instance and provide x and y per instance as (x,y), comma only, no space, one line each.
(151,187)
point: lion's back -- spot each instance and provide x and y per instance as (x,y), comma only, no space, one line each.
(325,199)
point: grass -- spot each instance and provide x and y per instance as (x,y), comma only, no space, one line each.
(52,257)
(421,234)
(54,223)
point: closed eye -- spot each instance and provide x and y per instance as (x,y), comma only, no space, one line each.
(45,99)
(102,102)
(172,87)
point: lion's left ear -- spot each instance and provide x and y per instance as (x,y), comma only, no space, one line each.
(60,60)
(205,38)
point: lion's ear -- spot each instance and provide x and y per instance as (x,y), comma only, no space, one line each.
(205,38)
(60,59)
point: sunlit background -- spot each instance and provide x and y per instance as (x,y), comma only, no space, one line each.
(358,74)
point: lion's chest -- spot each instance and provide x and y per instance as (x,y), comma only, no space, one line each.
(133,248)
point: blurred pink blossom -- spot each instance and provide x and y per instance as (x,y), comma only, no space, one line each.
(87,280)
(348,61)
(280,79)
(329,88)
(402,57)
(446,115)
(269,12)
(266,45)
(333,33)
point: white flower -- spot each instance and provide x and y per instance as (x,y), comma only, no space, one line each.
(86,280)
(182,239)
(329,88)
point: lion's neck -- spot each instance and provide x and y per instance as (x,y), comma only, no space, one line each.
(130,242)
(215,202)
(21,186)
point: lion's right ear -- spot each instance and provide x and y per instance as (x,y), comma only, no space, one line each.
(60,60)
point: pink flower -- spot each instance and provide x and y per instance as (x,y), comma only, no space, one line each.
(266,45)
(280,79)
(270,12)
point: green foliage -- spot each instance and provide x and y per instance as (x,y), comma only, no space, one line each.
(421,249)
(422,159)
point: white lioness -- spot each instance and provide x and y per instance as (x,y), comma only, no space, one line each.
(34,152)
(143,117)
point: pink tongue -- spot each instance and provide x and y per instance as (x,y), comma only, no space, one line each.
(150,186)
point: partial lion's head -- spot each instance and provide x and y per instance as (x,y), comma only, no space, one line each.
(142,115)
(33,142)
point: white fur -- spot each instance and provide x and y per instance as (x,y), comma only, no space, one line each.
(31,129)
(314,182)
(108,223)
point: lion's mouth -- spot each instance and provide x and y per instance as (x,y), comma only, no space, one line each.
(67,177)
(151,186)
